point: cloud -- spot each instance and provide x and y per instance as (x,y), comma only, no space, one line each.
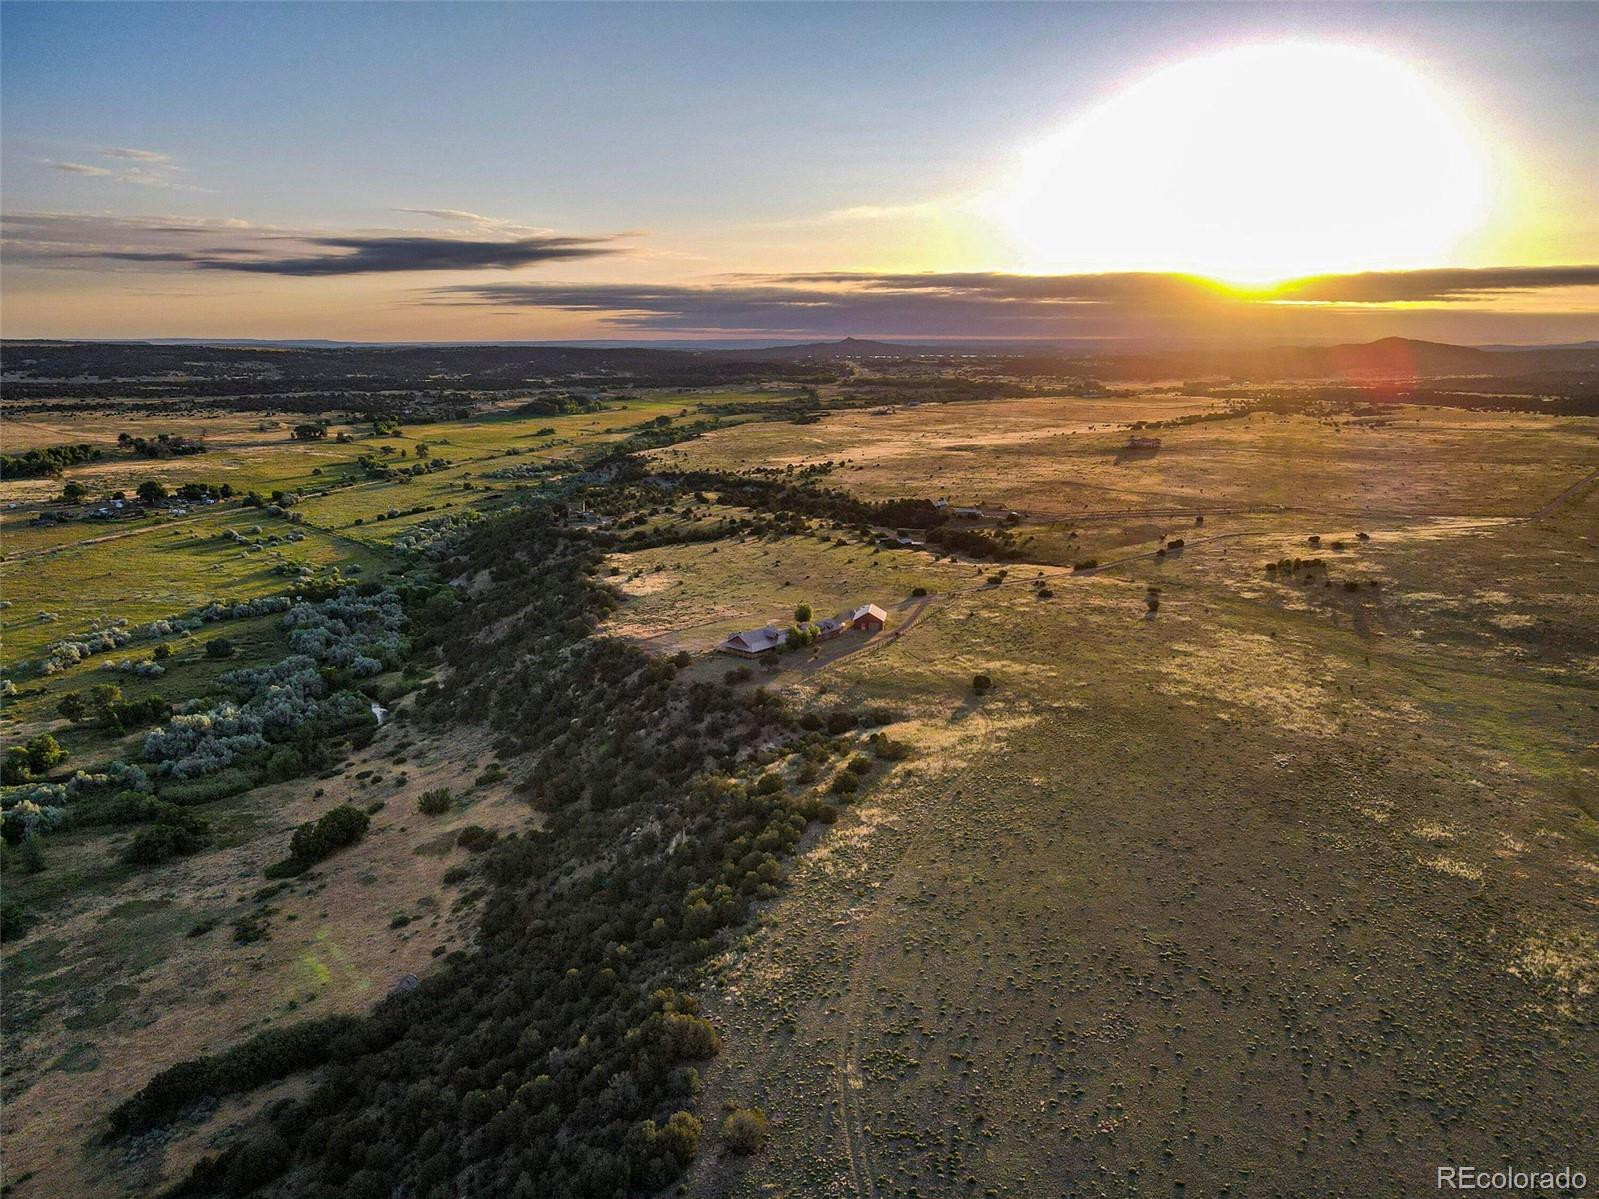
(137,155)
(151,169)
(76,168)
(1387,287)
(367,255)
(77,240)
(991,304)
(457,215)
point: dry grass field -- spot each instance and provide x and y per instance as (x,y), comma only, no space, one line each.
(1063,457)
(1285,884)
(1285,888)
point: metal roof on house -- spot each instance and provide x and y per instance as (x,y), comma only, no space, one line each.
(757,640)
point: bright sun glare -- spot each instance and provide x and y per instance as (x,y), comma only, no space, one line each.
(1252,165)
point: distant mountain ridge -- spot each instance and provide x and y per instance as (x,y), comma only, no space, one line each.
(501,363)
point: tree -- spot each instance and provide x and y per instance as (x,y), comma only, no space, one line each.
(44,752)
(681,1137)
(802,613)
(176,835)
(314,431)
(103,701)
(74,707)
(744,1130)
(422,450)
(981,683)
(219,647)
(30,854)
(74,493)
(14,767)
(152,491)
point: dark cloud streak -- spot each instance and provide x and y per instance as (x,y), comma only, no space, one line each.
(988,304)
(369,255)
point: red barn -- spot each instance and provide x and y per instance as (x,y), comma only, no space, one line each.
(868,618)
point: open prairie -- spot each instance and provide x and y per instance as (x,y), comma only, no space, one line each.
(1289,886)
(1267,863)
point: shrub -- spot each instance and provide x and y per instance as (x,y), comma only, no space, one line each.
(158,843)
(14,766)
(819,809)
(13,919)
(318,839)
(918,592)
(982,684)
(435,802)
(739,674)
(251,927)
(888,750)
(474,838)
(233,781)
(220,647)
(29,855)
(285,763)
(769,784)
(269,1055)
(744,1130)
(840,721)
(44,752)
(845,783)
(860,765)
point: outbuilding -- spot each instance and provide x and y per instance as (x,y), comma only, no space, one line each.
(827,629)
(868,618)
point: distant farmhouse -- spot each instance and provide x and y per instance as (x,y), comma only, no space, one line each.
(754,644)
(758,643)
(1143,443)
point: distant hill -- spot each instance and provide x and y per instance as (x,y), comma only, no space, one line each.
(1387,358)
(45,369)
(850,347)
(1517,349)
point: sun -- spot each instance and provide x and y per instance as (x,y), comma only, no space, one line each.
(1252,165)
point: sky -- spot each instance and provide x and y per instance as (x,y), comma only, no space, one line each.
(1118,173)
